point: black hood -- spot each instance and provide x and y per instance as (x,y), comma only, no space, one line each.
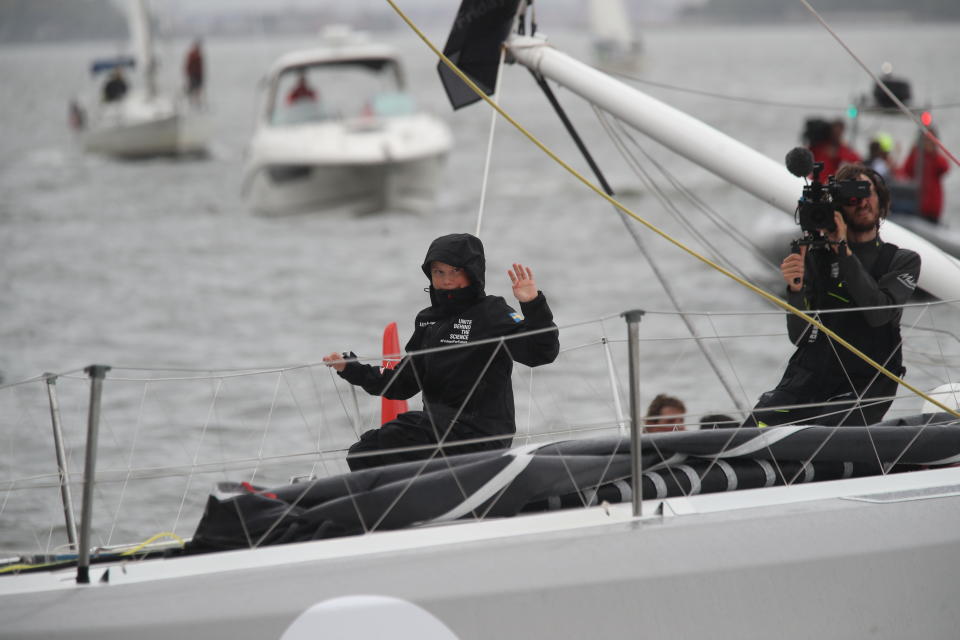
(459,250)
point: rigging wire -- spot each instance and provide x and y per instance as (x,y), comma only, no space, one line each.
(750,100)
(910,114)
(661,278)
(721,96)
(702,206)
(493,127)
(662,196)
(553,156)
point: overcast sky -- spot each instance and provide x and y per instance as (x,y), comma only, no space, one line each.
(638,8)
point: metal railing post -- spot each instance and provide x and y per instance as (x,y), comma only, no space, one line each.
(62,470)
(96,372)
(636,419)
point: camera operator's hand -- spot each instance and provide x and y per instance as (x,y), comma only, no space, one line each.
(840,233)
(792,269)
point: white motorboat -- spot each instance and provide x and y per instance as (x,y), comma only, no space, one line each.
(854,553)
(351,138)
(141,120)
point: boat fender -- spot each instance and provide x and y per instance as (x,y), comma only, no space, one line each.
(367,616)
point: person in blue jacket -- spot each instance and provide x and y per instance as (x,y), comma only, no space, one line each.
(466,390)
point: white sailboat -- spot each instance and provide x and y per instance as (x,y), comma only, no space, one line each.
(616,48)
(839,558)
(352,138)
(145,120)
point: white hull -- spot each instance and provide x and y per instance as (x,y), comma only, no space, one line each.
(784,562)
(172,134)
(406,186)
(363,148)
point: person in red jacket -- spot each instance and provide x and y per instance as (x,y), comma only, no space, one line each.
(832,151)
(934,166)
(193,70)
(301,90)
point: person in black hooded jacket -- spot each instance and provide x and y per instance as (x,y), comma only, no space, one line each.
(467,392)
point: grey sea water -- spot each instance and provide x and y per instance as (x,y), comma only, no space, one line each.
(158,265)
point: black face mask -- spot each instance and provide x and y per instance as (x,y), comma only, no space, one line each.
(449,300)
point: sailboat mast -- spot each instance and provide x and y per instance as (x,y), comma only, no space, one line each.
(141,37)
(713,150)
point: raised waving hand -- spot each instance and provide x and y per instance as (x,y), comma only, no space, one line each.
(524,286)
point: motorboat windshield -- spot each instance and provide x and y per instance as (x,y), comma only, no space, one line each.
(339,89)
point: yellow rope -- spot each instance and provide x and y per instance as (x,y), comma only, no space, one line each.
(770,297)
(165,534)
(13,568)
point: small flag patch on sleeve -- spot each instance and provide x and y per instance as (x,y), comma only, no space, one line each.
(516,317)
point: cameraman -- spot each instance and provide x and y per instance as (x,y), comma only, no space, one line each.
(853,269)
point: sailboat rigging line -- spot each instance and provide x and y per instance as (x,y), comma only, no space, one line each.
(757,290)
(254,371)
(568,125)
(664,283)
(290,507)
(935,330)
(880,83)
(660,194)
(343,404)
(858,406)
(704,208)
(721,96)
(561,113)
(266,427)
(196,454)
(320,429)
(44,376)
(133,448)
(726,354)
(942,355)
(614,387)
(493,127)
(303,416)
(493,486)
(438,448)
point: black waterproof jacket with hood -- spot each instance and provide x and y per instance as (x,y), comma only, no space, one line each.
(467,391)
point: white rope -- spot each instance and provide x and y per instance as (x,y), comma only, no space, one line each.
(133,449)
(266,427)
(211,411)
(493,127)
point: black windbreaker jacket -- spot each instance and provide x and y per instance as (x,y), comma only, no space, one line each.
(471,385)
(877,274)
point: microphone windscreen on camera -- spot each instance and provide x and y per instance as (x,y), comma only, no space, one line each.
(799,162)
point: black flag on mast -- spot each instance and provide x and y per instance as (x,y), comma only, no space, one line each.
(474,46)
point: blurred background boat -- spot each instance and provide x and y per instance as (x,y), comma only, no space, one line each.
(143,119)
(338,130)
(615,46)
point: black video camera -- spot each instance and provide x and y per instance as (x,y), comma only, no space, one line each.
(819,201)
